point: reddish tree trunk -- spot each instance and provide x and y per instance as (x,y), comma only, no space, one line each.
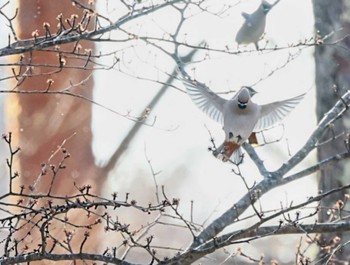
(42,122)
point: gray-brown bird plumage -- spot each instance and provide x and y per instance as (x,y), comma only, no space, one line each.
(240,116)
(254,24)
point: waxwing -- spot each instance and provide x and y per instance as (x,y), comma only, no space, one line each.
(240,116)
(254,25)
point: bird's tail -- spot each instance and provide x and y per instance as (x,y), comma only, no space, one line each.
(229,151)
(237,156)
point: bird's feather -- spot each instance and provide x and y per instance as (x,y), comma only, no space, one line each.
(229,150)
(274,112)
(245,15)
(206,100)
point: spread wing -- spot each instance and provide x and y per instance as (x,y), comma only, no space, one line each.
(206,100)
(275,112)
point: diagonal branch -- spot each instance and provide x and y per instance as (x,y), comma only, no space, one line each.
(136,127)
(276,180)
(334,113)
(256,232)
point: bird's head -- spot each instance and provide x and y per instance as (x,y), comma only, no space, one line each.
(266,7)
(251,91)
(244,95)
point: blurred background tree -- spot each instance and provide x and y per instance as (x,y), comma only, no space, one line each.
(332,80)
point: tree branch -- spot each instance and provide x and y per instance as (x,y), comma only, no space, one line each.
(274,181)
(136,127)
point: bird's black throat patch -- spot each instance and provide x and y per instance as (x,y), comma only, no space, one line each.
(242,105)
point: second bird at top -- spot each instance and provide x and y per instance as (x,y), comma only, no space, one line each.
(254,25)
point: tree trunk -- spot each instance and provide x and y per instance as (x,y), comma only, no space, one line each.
(332,80)
(40,122)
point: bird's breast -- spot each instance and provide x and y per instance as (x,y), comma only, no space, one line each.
(239,123)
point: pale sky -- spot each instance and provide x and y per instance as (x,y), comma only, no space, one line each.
(188,170)
(177,144)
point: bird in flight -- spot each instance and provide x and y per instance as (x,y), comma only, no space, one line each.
(240,117)
(254,24)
